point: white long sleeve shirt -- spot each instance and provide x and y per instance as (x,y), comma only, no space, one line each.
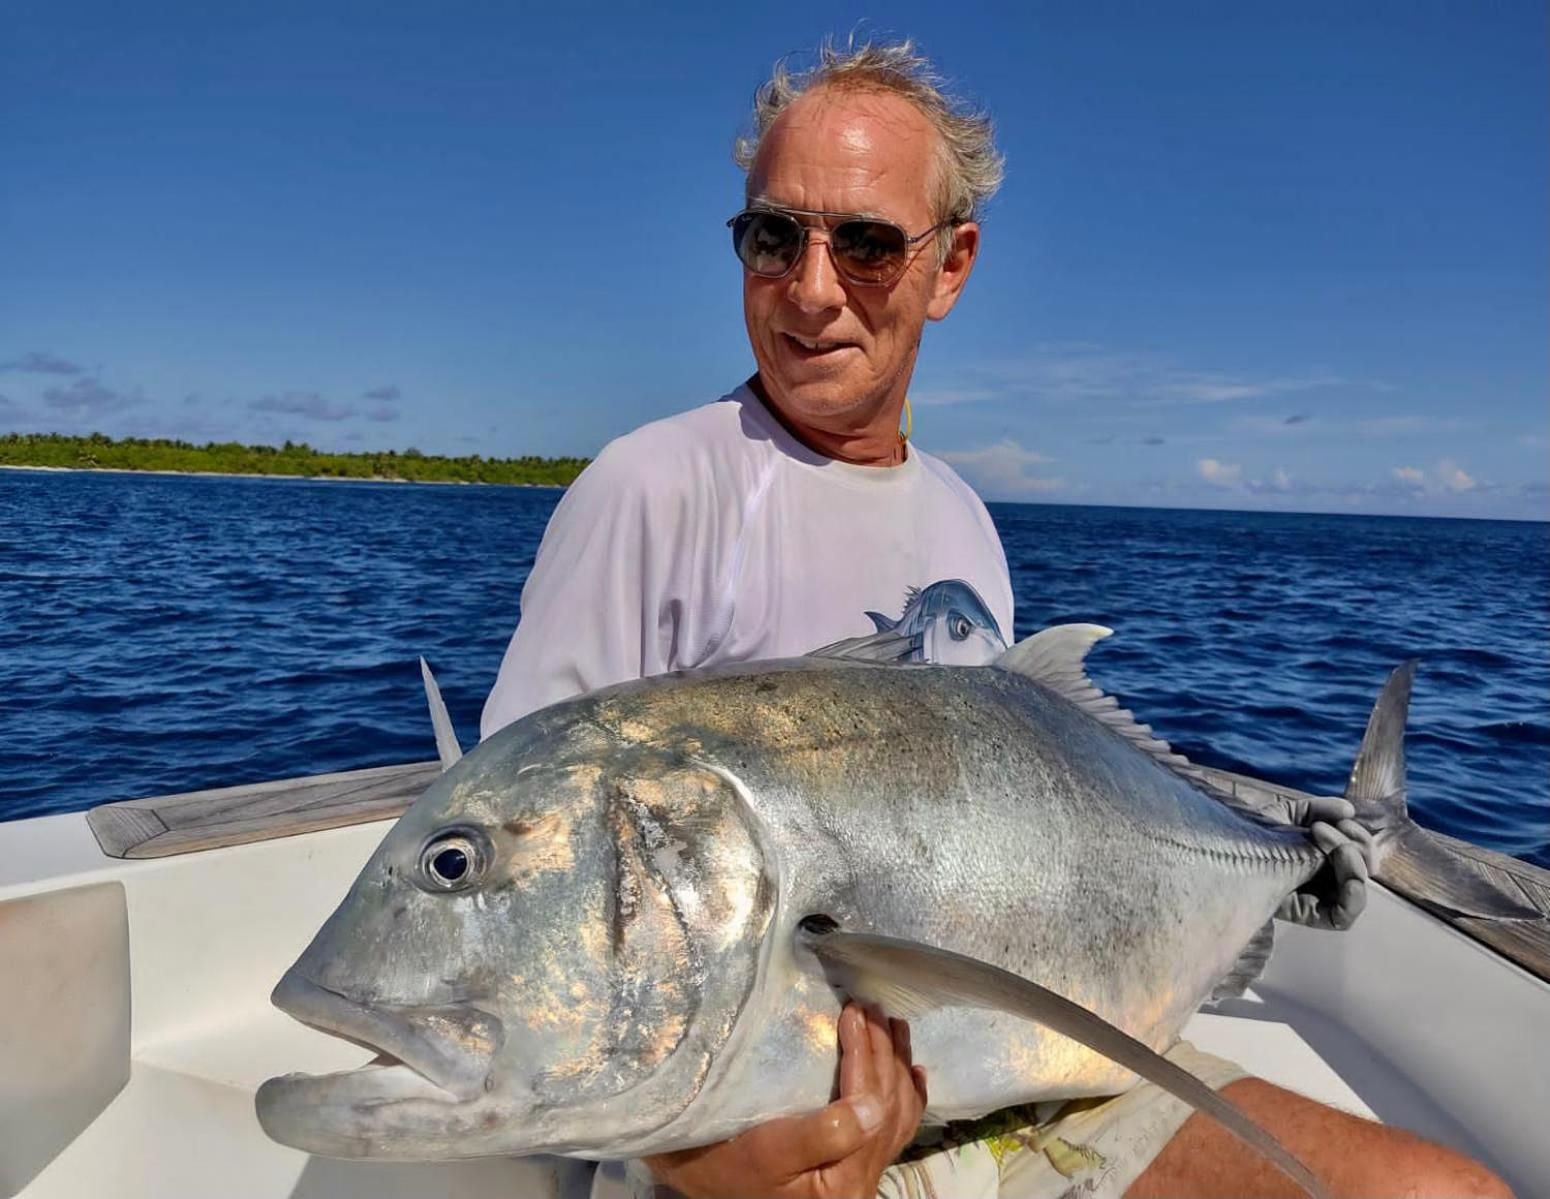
(714,536)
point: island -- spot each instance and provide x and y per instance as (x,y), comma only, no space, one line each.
(95,451)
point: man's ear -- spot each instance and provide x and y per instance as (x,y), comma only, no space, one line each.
(954,271)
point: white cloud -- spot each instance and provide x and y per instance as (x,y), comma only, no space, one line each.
(1219,474)
(1221,389)
(1280,479)
(1209,391)
(1004,470)
(1076,372)
(1452,476)
(1446,476)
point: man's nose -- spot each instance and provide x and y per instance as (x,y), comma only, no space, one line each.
(814,285)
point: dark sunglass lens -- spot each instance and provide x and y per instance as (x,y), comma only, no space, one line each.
(768,243)
(870,251)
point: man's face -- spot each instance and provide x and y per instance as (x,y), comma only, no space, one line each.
(851,152)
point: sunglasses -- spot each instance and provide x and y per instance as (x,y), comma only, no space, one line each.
(865,250)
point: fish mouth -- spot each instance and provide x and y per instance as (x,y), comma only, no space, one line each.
(425,1054)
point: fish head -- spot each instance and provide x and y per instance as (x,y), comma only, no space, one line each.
(547,951)
(955,626)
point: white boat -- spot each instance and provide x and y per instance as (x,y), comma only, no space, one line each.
(135,1021)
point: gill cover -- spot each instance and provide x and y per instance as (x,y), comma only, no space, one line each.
(687,902)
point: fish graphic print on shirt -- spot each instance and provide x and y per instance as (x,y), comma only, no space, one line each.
(945,623)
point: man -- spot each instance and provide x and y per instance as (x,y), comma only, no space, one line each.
(769,523)
(773,521)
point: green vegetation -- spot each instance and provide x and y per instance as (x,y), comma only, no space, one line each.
(97,452)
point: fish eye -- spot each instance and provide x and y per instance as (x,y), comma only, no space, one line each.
(452,861)
(959,626)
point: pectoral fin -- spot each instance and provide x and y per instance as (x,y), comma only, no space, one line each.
(447,747)
(907,979)
(886,645)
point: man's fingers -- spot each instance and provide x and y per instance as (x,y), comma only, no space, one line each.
(1304,812)
(855,1052)
(880,1031)
(874,1053)
(1349,864)
(798,1144)
(1362,836)
(1298,908)
(1328,808)
(1343,854)
(1352,902)
(918,1077)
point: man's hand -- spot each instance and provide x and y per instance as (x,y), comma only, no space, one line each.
(837,1153)
(1337,894)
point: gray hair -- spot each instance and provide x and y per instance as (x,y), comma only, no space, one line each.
(969,168)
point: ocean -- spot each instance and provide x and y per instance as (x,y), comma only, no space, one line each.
(171,633)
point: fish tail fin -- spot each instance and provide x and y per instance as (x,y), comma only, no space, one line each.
(1406,856)
(1377,784)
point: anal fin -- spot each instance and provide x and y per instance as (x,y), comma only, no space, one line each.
(1250,965)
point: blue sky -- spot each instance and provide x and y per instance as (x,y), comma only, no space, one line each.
(1248,255)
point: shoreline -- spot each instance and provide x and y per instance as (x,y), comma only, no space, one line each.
(230,474)
(226,474)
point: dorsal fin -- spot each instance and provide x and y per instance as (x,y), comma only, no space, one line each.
(882,622)
(1053,656)
(911,594)
(447,747)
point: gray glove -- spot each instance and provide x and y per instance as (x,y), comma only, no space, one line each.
(1335,896)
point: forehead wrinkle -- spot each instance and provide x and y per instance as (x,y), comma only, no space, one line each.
(763,200)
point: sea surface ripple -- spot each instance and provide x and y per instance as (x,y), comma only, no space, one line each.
(162,634)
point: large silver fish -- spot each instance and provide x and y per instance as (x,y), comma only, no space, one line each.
(606,931)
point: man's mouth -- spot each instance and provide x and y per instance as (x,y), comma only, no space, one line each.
(808,349)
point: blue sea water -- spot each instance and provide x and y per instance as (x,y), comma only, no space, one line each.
(162,634)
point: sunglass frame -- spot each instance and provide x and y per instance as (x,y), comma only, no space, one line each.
(840,218)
